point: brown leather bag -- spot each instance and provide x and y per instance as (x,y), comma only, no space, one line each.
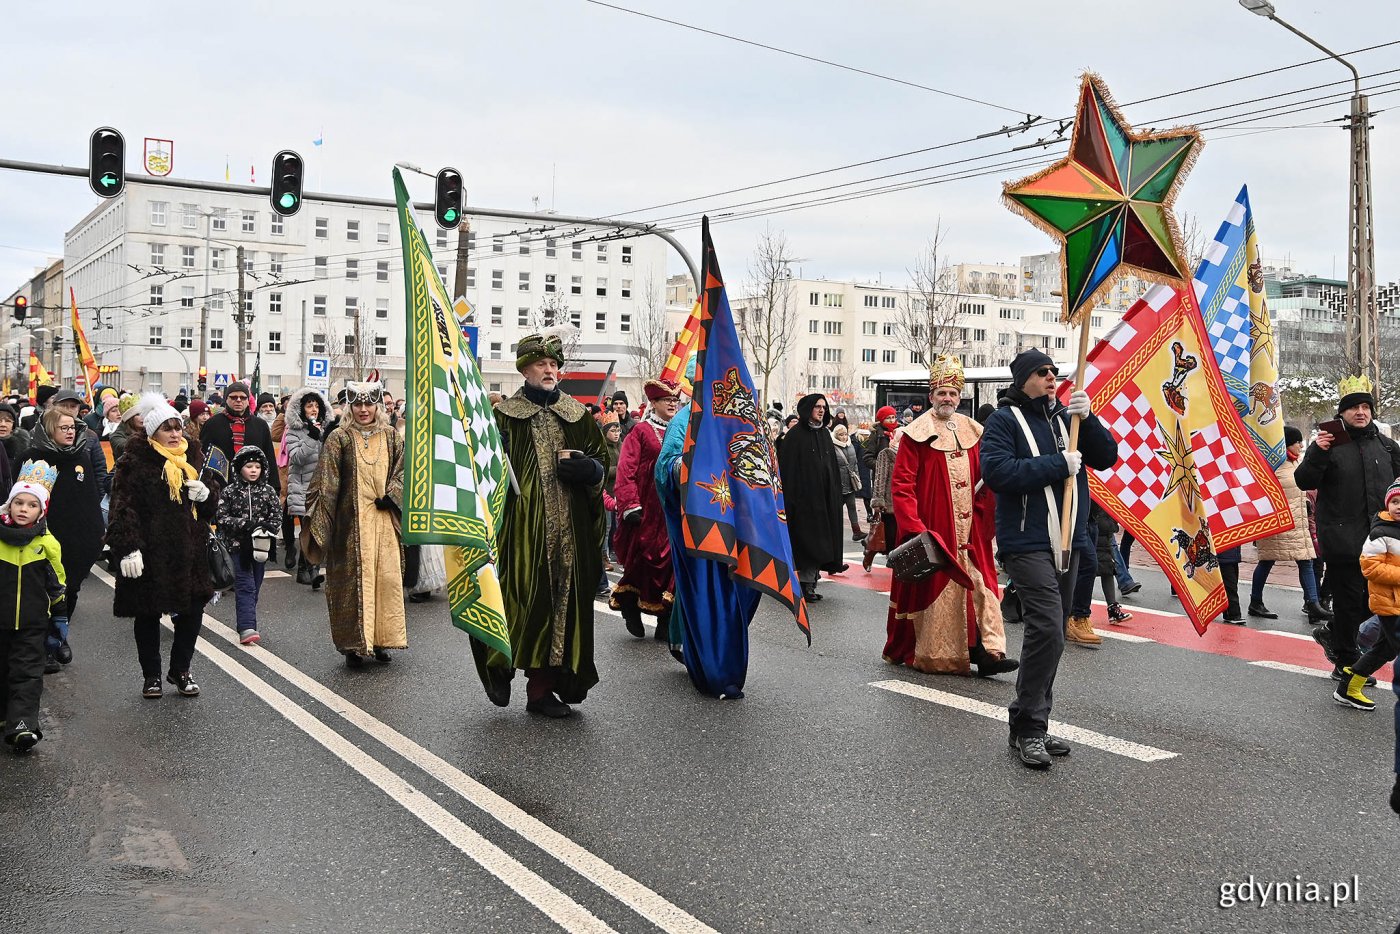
(874,542)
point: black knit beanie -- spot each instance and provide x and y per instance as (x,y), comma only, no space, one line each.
(1025,365)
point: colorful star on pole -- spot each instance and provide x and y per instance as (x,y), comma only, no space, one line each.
(1110,201)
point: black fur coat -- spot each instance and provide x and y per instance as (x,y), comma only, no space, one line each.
(173,542)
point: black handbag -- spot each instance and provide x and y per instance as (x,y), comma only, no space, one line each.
(220,564)
(916,559)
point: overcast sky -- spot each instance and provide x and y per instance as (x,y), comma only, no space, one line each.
(600,112)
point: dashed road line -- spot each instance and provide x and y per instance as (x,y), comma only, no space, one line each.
(1304,670)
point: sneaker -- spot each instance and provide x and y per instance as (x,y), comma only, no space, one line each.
(151,688)
(1131,587)
(1116,613)
(22,738)
(1348,692)
(1032,751)
(1323,637)
(1232,620)
(51,664)
(63,653)
(249,637)
(183,683)
(1053,745)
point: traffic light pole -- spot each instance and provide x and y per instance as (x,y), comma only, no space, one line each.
(628,228)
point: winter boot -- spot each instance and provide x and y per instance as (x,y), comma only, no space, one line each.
(303,570)
(1081,631)
(1317,613)
(1348,692)
(1116,613)
(632,617)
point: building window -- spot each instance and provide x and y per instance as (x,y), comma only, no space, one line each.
(626,288)
(524,247)
(187,257)
(915,357)
(381,233)
(600,321)
(549,248)
(522,317)
(187,338)
(248,259)
(189,216)
(602,252)
(867,355)
(888,329)
(352,306)
(831,355)
(274,263)
(524,282)
(812,354)
(216,300)
(154,337)
(814,298)
(576,319)
(322,267)
(969,308)
(274,341)
(158,213)
(577,251)
(323,228)
(867,328)
(352,269)
(831,327)
(887,356)
(248,301)
(602,287)
(216,259)
(216,338)
(442,271)
(498,244)
(1096,321)
(550,283)
(576,285)
(219,221)
(186,296)
(887,301)
(495,350)
(497,315)
(318,343)
(812,326)
(157,295)
(274,303)
(1012,314)
(381,308)
(381,271)
(831,300)
(871,301)
(349,343)
(381,345)
(471,277)
(278,227)
(318,305)
(440,239)
(250,222)
(352,231)
(157,254)
(627,256)
(1059,343)
(248,341)
(979,334)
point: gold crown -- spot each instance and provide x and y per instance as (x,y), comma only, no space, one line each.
(1353,384)
(38,473)
(946,371)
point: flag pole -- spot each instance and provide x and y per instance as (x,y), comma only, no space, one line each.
(1067,508)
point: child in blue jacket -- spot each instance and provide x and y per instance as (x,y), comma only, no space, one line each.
(31,581)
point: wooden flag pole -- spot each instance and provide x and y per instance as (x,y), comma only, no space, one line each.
(1067,508)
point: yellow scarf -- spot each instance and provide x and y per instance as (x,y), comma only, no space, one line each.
(177,469)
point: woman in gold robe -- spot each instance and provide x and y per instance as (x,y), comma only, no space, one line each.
(354,507)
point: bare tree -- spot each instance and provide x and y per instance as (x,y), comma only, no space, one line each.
(650,342)
(767,319)
(554,316)
(350,348)
(926,321)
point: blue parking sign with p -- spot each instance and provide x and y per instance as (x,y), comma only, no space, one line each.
(318,368)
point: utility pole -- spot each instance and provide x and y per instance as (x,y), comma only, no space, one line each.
(459,286)
(241,320)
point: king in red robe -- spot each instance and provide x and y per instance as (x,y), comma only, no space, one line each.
(947,622)
(642,543)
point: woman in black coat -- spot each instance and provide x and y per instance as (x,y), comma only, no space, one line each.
(158,536)
(812,493)
(75,505)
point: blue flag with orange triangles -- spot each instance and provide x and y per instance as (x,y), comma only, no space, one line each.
(731,494)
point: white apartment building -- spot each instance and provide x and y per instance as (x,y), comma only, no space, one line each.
(988,278)
(145,264)
(1040,277)
(846,334)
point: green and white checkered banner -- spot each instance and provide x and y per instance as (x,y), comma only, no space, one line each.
(454,467)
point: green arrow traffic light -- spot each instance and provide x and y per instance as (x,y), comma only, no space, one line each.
(107,180)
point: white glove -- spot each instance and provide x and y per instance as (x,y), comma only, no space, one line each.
(1073,460)
(1078,403)
(132,565)
(197,490)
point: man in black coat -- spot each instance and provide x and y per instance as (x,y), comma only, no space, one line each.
(237,426)
(1350,474)
(812,494)
(625,420)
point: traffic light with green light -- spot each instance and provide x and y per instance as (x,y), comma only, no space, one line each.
(447,205)
(286,183)
(106,162)
(21,307)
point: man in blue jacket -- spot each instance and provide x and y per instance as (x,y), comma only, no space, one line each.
(1025,463)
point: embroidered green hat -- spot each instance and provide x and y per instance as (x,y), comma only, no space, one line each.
(536,347)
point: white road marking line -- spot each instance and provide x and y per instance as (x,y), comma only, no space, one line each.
(560,908)
(276,574)
(645,902)
(1315,672)
(1122,636)
(1133,607)
(1119,747)
(1290,635)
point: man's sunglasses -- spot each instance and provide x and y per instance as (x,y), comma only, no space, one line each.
(1047,371)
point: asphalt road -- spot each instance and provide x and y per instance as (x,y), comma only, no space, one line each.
(297,795)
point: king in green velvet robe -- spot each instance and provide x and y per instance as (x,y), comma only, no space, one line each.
(550,547)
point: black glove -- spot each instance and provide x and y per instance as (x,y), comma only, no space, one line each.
(632,516)
(384,503)
(579,471)
(313,431)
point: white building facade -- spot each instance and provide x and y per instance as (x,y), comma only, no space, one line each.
(145,264)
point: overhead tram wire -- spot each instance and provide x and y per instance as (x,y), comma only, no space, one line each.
(805,57)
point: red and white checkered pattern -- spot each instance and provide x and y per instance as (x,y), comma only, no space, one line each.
(1232,494)
(1139,477)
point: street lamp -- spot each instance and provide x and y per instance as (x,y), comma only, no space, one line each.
(1362,324)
